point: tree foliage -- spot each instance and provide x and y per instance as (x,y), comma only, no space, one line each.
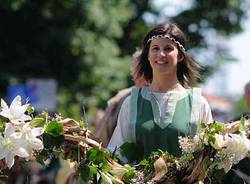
(206,22)
(86,45)
(71,41)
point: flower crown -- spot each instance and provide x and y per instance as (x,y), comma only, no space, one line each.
(168,37)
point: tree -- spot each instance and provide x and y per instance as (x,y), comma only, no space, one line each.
(207,24)
(71,41)
(86,45)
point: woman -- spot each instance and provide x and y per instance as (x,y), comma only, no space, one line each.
(155,116)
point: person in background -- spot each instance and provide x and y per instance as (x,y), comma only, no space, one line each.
(153,117)
(247,100)
(240,173)
(105,125)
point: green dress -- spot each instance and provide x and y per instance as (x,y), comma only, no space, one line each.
(153,129)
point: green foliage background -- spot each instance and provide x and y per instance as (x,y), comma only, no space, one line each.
(86,45)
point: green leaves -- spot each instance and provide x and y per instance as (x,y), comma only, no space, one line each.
(54,128)
(211,129)
(37,122)
(210,138)
(40,120)
(87,172)
(96,163)
(30,110)
(129,174)
(131,151)
(217,127)
(242,126)
(98,158)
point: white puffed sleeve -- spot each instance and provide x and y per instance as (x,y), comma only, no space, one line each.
(205,111)
(121,132)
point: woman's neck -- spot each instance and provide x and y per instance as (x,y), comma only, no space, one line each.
(165,84)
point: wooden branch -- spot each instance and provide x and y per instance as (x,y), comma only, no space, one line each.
(91,142)
(234,126)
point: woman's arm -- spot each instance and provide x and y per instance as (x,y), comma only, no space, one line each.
(121,132)
(205,114)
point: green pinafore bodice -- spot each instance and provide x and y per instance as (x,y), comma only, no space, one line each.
(153,127)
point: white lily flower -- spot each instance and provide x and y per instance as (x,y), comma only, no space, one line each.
(119,172)
(220,141)
(11,145)
(236,149)
(106,179)
(246,142)
(15,113)
(239,144)
(30,135)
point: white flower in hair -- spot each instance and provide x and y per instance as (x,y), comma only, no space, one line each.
(15,113)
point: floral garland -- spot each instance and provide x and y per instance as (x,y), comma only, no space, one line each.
(18,138)
(206,157)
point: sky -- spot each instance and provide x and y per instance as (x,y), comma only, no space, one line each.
(239,73)
(232,76)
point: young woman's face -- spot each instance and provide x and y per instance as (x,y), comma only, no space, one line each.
(163,56)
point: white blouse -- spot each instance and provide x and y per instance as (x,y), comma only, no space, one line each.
(122,131)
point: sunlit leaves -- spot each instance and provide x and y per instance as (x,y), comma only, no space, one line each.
(54,128)
(95,164)
(211,129)
(242,125)
(40,120)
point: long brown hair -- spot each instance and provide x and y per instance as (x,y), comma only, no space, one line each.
(187,68)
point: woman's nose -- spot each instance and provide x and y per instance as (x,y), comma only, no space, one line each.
(162,53)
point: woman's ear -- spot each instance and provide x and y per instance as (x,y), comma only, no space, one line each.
(180,57)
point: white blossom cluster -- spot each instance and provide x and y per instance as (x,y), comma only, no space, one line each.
(230,148)
(234,148)
(190,145)
(18,137)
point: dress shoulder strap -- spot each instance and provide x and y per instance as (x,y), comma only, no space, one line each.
(133,111)
(196,104)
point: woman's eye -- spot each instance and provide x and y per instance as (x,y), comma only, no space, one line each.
(155,48)
(168,48)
